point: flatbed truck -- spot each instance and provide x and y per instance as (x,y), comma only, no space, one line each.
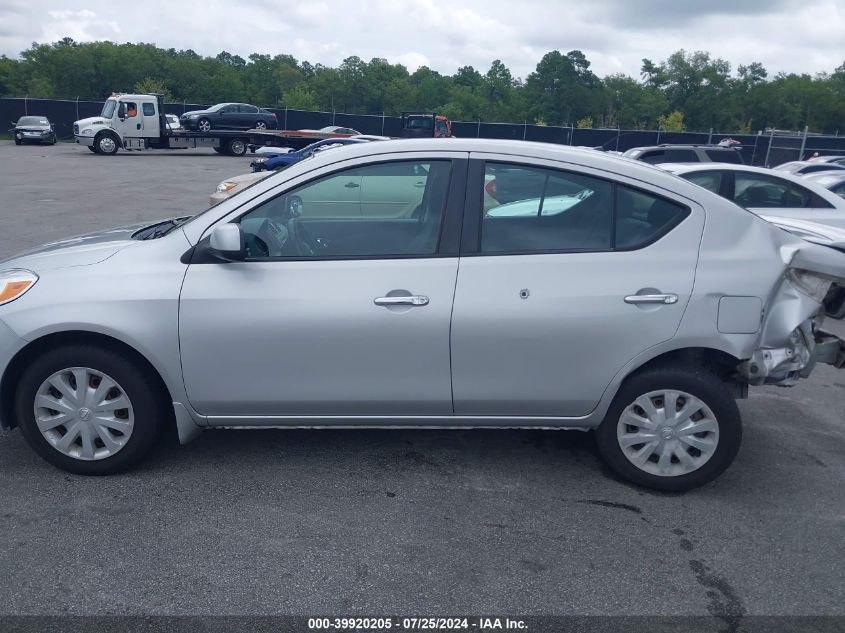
(137,122)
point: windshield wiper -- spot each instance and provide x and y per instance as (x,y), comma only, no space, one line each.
(163,228)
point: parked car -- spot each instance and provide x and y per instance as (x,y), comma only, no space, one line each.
(281,307)
(33,129)
(229,116)
(804,167)
(289,158)
(235,184)
(833,180)
(767,191)
(270,151)
(657,154)
(824,234)
(837,160)
(334,129)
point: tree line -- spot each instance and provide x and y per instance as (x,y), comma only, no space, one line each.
(687,91)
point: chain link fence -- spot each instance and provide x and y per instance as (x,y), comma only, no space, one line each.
(768,148)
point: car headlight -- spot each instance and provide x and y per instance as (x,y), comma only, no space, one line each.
(193,116)
(14,283)
(87,132)
(259,160)
(225,187)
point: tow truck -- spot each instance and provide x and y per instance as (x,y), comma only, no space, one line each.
(137,121)
(424,125)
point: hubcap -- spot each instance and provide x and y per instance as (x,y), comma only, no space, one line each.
(83,413)
(668,433)
(107,144)
(260,125)
(238,147)
(204,126)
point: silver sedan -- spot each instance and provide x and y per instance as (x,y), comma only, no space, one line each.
(376,286)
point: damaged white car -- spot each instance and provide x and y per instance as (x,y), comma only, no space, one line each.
(604,295)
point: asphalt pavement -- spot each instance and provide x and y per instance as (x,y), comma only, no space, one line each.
(399,521)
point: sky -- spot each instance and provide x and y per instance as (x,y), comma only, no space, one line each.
(785,35)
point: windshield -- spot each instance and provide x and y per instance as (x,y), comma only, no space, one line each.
(108,109)
(33,120)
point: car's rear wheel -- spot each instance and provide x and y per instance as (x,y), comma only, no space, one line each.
(204,125)
(88,410)
(236,147)
(671,428)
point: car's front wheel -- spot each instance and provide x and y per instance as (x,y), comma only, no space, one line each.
(106,143)
(88,410)
(671,428)
(203,125)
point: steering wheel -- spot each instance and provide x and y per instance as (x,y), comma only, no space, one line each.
(268,241)
(299,238)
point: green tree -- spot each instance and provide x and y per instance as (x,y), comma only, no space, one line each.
(149,85)
(672,122)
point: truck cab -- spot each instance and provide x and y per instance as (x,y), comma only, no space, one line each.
(137,121)
(423,125)
(131,121)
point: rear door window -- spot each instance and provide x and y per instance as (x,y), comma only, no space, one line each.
(537,210)
(724,156)
(710,180)
(681,156)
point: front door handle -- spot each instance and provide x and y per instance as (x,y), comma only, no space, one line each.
(351,185)
(412,300)
(665,299)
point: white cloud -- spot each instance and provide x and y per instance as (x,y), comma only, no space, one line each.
(785,35)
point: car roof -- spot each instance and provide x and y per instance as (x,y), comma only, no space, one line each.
(613,163)
(687,168)
(686,146)
(829,177)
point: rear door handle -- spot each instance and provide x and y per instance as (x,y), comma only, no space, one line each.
(413,300)
(351,185)
(666,299)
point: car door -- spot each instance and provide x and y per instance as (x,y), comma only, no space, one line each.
(247,116)
(228,116)
(350,317)
(550,306)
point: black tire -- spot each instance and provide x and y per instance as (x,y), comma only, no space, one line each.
(92,149)
(149,405)
(17,141)
(219,150)
(698,382)
(102,146)
(236,147)
(204,123)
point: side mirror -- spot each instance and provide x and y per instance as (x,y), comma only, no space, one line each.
(227,242)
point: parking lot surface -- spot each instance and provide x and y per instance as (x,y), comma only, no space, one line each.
(399,521)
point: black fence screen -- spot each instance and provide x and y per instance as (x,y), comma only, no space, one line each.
(757,149)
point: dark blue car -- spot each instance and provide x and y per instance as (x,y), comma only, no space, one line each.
(285,160)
